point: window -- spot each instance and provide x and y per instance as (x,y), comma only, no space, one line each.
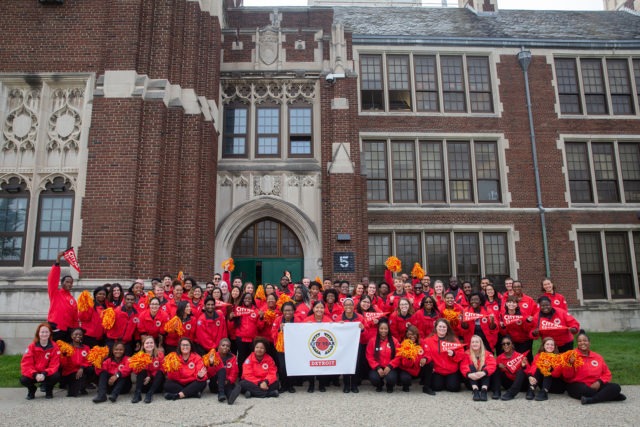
(267,238)
(54,221)
(419,175)
(268,119)
(606,267)
(597,86)
(443,83)
(300,131)
(611,168)
(14,204)
(467,255)
(235,132)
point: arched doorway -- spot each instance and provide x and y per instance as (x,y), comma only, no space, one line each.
(265,249)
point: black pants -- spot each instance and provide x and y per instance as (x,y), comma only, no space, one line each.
(218,384)
(285,382)
(154,386)
(92,342)
(192,389)
(256,391)
(61,335)
(482,382)
(606,393)
(521,347)
(404,378)
(49,382)
(244,350)
(362,367)
(566,347)
(550,384)
(499,379)
(449,382)
(121,386)
(391,379)
(77,385)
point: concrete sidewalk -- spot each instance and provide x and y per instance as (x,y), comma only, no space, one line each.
(334,408)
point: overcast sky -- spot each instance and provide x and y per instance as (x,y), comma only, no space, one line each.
(502,4)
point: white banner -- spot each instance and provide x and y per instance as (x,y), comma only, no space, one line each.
(321,348)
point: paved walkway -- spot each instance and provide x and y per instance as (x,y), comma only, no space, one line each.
(334,408)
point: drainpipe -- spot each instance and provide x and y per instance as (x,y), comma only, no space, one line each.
(524,58)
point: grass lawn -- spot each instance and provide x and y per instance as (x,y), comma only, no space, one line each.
(619,349)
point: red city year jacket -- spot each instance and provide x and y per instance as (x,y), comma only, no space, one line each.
(467,366)
(113,367)
(256,371)
(593,369)
(230,364)
(443,364)
(71,364)
(383,351)
(188,371)
(502,359)
(125,327)
(211,329)
(558,317)
(40,360)
(63,309)
(153,326)
(91,322)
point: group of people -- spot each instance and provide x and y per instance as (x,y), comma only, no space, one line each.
(178,338)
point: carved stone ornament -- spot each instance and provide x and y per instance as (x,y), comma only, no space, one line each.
(20,130)
(65,123)
(278,91)
(267,185)
(268,45)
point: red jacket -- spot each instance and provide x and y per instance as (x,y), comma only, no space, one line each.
(189,330)
(188,371)
(393,299)
(467,366)
(557,300)
(71,364)
(40,360)
(248,325)
(485,324)
(443,364)
(594,369)
(312,319)
(370,328)
(424,322)
(91,322)
(211,329)
(335,313)
(155,366)
(63,309)
(398,325)
(409,366)
(502,359)
(113,367)
(153,326)
(558,317)
(383,352)
(125,327)
(231,366)
(258,371)
(302,311)
(531,369)
(519,330)
(528,306)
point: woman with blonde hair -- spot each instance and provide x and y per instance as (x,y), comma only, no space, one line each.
(477,368)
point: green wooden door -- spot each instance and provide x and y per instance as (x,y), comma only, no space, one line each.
(267,270)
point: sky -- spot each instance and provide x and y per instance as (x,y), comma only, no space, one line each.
(502,4)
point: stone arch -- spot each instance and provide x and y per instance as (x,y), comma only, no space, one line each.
(308,233)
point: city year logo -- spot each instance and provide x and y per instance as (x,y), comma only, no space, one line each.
(322,343)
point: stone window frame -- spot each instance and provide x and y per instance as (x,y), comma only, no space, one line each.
(14,188)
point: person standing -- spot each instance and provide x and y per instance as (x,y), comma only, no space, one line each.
(63,308)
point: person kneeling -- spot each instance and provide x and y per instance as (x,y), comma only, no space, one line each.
(259,373)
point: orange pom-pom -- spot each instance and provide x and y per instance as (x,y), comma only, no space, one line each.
(269,316)
(97,355)
(139,361)
(281,300)
(318,280)
(108,318)
(150,295)
(577,359)
(280,342)
(393,264)
(66,349)
(206,359)
(228,265)
(180,277)
(260,293)
(548,361)
(409,350)
(171,363)
(85,301)
(174,325)
(417,271)
(451,316)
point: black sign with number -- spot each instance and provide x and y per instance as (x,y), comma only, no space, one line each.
(344,262)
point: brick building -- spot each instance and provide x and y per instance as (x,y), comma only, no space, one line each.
(164,136)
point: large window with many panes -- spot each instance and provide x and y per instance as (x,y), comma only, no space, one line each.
(430,83)
(598,86)
(433,171)
(469,255)
(603,171)
(14,208)
(609,264)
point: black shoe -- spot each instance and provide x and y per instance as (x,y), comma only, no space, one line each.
(429,391)
(312,387)
(91,386)
(541,396)
(336,382)
(113,398)
(221,397)
(405,388)
(476,395)
(148,398)
(43,388)
(273,393)
(31,395)
(137,397)
(389,389)
(530,394)
(346,389)
(247,394)
(171,396)
(483,395)
(378,389)
(83,392)
(507,396)
(584,400)
(235,392)
(99,399)
(621,397)
(354,389)
(291,389)
(322,389)
(495,395)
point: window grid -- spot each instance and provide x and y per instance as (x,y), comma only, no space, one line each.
(235,132)
(591,266)
(13,221)
(593,84)
(375,158)
(267,238)
(630,170)
(268,131)
(463,83)
(403,171)
(619,265)
(409,249)
(432,170)
(605,172)
(620,86)
(460,183)
(54,226)
(300,131)
(379,251)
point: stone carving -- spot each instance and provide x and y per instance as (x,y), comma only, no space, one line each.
(267,185)
(301,180)
(226,182)
(268,46)
(20,130)
(65,122)
(242,181)
(279,92)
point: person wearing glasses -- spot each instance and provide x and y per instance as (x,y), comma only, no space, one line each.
(191,377)
(511,371)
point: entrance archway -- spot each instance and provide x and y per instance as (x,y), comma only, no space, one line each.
(265,249)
